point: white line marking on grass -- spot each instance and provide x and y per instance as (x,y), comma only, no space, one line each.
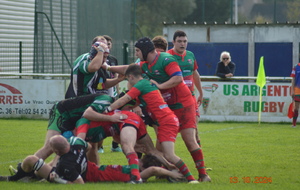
(220,130)
(11,161)
(215,131)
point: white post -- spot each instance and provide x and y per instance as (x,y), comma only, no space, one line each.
(236,12)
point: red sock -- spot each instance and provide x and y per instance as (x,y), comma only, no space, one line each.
(199,160)
(133,162)
(184,170)
(295,117)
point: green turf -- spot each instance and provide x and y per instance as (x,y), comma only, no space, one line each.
(233,151)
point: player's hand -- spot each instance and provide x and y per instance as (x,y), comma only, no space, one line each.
(53,176)
(176,175)
(104,66)
(121,77)
(138,110)
(118,117)
(104,47)
(199,100)
(154,83)
(140,148)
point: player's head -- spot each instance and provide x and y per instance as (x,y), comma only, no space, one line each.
(179,33)
(133,74)
(160,43)
(96,42)
(180,41)
(149,160)
(59,144)
(145,45)
(109,41)
(133,69)
(99,39)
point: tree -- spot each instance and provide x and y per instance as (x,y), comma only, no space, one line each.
(150,14)
(293,10)
(210,11)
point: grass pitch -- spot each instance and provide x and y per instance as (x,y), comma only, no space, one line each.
(241,155)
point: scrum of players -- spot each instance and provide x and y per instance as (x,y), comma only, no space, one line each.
(159,95)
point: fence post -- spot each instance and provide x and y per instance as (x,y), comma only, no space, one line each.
(125,53)
(20,58)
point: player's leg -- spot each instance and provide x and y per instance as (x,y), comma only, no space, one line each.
(28,166)
(115,147)
(296,111)
(188,136)
(92,154)
(188,126)
(46,150)
(169,154)
(53,129)
(37,164)
(100,147)
(128,137)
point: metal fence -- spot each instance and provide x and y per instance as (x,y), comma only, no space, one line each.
(16,57)
(63,30)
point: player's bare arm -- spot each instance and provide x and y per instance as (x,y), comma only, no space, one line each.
(197,83)
(92,115)
(120,102)
(172,82)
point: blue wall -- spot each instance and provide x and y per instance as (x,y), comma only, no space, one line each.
(277,57)
(208,55)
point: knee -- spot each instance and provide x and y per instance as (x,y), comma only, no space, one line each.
(29,162)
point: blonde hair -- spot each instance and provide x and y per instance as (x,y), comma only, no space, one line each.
(225,53)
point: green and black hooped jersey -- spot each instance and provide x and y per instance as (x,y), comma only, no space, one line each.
(73,163)
(66,113)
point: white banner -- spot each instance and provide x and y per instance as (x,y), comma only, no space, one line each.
(223,101)
(29,98)
(239,101)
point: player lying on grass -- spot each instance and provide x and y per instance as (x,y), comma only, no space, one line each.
(73,166)
(66,113)
(130,131)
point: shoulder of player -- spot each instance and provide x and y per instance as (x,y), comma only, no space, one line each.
(166,57)
(189,52)
(77,141)
(142,84)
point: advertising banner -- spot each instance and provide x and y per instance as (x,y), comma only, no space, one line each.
(239,101)
(222,101)
(22,98)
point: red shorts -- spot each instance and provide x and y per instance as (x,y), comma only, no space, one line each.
(168,129)
(135,121)
(186,117)
(107,173)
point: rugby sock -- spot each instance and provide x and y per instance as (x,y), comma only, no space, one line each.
(295,117)
(133,162)
(199,160)
(184,170)
(20,174)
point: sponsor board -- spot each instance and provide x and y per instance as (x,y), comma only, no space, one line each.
(29,98)
(222,101)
